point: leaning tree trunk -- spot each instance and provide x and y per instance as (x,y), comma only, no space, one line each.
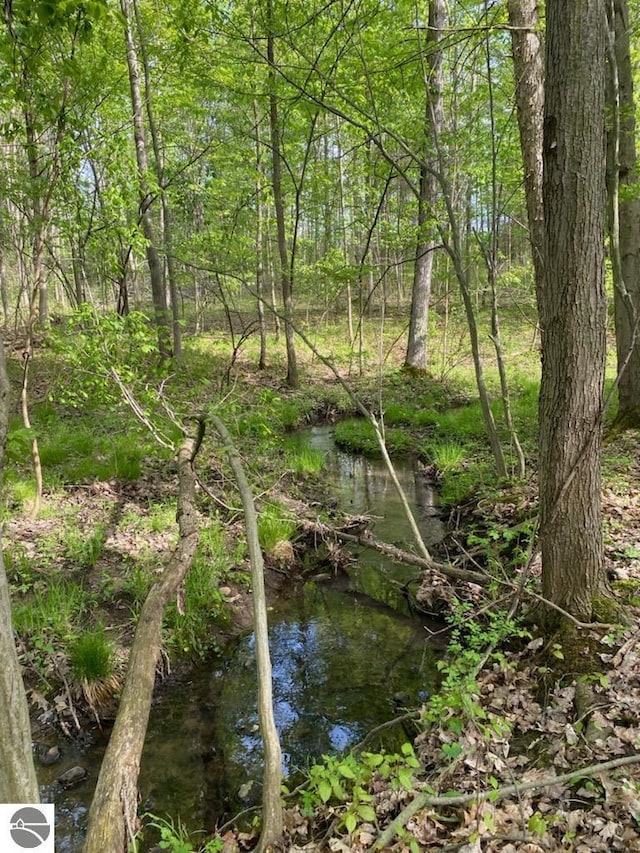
(272,776)
(158,293)
(573,308)
(113,815)
(624,214)
(18,783)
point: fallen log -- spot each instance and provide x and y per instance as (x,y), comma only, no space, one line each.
(365,539)
(113,815)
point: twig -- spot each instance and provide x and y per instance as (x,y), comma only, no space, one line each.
(426,800)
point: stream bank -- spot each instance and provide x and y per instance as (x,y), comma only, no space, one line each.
(347,657)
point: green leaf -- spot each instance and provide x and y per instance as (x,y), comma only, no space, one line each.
(537,824)
(346,771)
(324,789)
(350,822)
(366,812)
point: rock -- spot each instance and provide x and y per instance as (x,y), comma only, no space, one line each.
(48,754)
(72,777)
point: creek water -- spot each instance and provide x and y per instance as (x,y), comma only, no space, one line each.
(346,655)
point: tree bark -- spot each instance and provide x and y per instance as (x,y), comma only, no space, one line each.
(528,65)
(624,213)
(18,783)
(153,259)
(167,228)
(573,308)
(262,358)
(416,357)
(113,814)
(272,820)
(276,177)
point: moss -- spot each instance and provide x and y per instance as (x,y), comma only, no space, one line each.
(628,592)
(606,608)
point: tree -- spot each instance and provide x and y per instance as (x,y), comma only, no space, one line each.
(276,181)
(528,62)
(624,212)
(146,197)
(18,783)
(416,357)
(573,308)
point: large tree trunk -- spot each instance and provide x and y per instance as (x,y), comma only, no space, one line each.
(113,815)
(18,783)
(624,213)
(573,308)
(416,357)
(153,259)
(528,68)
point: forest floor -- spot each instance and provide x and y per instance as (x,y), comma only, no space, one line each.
(510,714)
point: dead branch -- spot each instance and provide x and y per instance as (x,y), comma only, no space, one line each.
(366,540)
(425,800)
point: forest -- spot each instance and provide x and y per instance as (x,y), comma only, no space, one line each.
(319,435)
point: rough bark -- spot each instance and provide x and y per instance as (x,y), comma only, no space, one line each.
(624,213)
(113,814)
(272,820)
(416,357)
(18,783)
(158,293)
(528,65)
(572,307)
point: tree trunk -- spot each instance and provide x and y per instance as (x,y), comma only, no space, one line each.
(624,214)
(276,155)
(573,308)
(18,783)
(528,67)
(416,357)
(113,814)
(153,259)
(167,232)
(262,359)
(272,821)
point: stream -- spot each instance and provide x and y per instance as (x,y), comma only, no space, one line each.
(347,655)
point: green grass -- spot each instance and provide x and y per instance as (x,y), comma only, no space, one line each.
(300,457)
(138,581)
(357,435)
(191,632)
(446,455)
(92,656)
(55,611)
(83,548)
(275,525)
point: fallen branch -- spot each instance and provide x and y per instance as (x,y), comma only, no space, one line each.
(366,540)
(426,800)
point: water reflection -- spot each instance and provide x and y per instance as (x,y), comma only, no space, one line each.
(341,652)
